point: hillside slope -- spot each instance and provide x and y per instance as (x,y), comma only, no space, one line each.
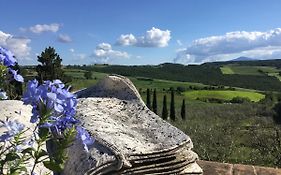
(208,73)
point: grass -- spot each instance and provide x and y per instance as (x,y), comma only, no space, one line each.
(248,70)
(161,84)
(229,132)
(79,81)
(226,70)
(223,94)
(275,74)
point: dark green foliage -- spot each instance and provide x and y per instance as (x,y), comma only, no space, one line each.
(181,89)
(88,75)
(154,102)
(66,78)
(212,100)
(164,109)
(148,102)
(240,100)
(206,73)
(50,67)
(277,115)
(172,106)
(183,110)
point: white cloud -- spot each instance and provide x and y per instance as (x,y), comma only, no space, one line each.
(104,53)
(71,50)
(239,43)
(19,46)
(40,28)
(64,38)
(127,40)
(153,38)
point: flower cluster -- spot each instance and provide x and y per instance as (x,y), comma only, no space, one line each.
(54,107)
(13,128)
(53,114)
(7,59)
(54,98)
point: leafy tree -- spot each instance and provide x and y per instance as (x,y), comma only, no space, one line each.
(50,67)
(172,106)
(88,75)
(148,102)
(165,110)
(154,102)
(183,110)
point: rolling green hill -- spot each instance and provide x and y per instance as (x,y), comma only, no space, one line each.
(251,70)
(248,76)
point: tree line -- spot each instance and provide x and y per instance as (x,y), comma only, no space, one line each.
(165,113)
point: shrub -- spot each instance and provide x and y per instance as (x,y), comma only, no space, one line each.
(240,100)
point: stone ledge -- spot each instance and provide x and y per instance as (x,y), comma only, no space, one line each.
(217,168)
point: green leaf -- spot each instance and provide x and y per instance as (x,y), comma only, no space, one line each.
(42,153)
(29,151)
(43,133)
(53,166)
(12,156)
(20,169)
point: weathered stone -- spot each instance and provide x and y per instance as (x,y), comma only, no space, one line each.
(130,139)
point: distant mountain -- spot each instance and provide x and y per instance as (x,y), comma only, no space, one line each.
(243,59)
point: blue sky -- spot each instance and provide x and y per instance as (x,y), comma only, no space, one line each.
(142,32)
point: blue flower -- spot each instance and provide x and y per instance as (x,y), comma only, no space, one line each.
(16,76)
(3,95)
(13,128)
(53,96)
(32,93)
(7,57)
(85,137)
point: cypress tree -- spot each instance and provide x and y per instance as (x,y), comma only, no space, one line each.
(165,110)
(154,102)
(172,106)
(183,109)
(148,103)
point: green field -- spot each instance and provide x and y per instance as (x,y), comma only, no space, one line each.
(275,74)
(251,70)
(79,81)
(248,70)
(226,70)
(223,94)
(162,84)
